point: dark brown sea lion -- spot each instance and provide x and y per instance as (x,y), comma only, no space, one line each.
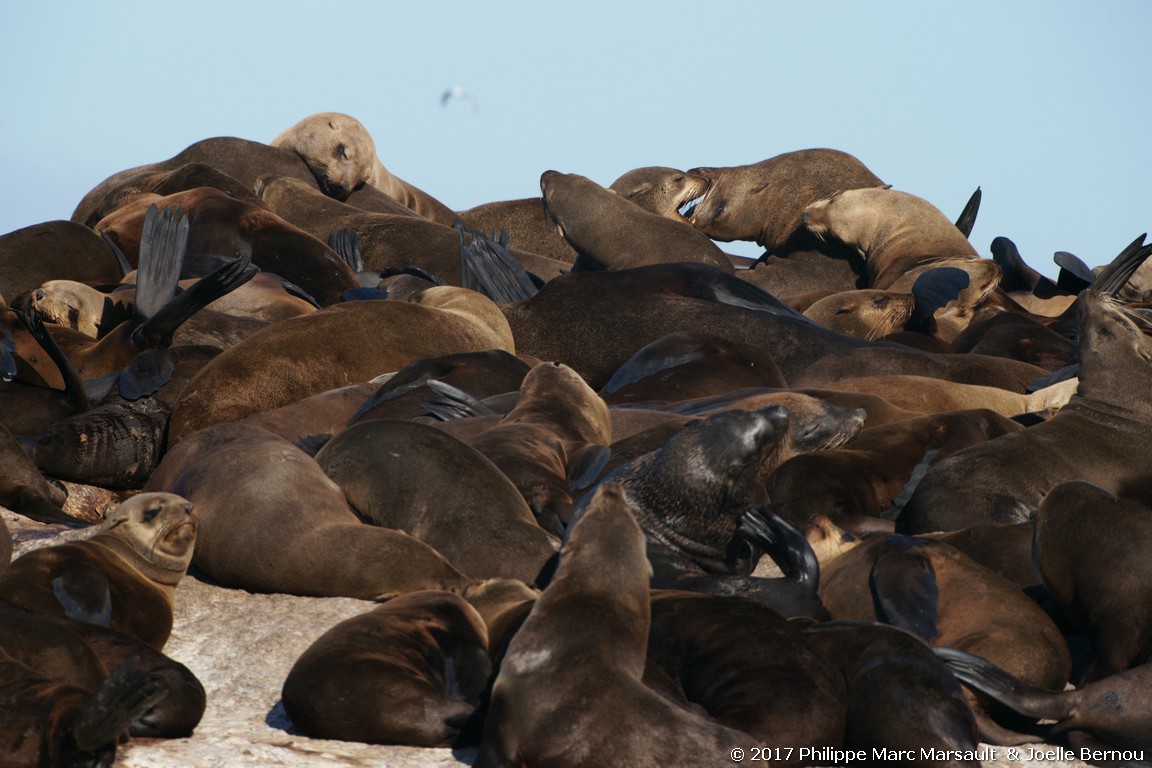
(765,201)
(1007,334)
(1099,436)
(611,233)
(320,548)
(1089,548)
(341,155)
(555,439)
(894,231)
(124,577)
(420,659)
(343,344)
(893,680)
(23,488)
(54,250)
(415,478)
(748,668)
(603,572)
(324,414)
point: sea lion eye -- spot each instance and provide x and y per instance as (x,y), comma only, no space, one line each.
(341,152)
(150,514)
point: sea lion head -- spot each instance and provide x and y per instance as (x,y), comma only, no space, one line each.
(660,190)
(337,148)
(158,529)
(867,313)
(606,549)
(553,392)
(1112,340)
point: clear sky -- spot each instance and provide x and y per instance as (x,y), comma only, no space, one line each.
(1045,105)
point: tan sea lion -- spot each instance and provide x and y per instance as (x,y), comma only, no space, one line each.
(420,660)
(341,154)
(123,577)
(54,250)
(866,313)
(660,190)
(603,572)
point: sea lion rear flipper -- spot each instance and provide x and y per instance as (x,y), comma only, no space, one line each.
(120,700)
(78,395)
(586,463)
(1114,276)
(294,290)
(145,373)
(1012,692)
(453,403)
(163,242)
(346,243)
(83,593)
(487,267)
(1074,274)
(787,547)
(157,331)
(967,217)
(904,588)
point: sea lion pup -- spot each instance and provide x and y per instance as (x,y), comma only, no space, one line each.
(408,672)
(946,598)
(748,668)
(765,201)
(341,154)
(1113,710)
(124,577)
(900,697)
(861,481)
(603,572)
(894,231)
(611,233)
(321,547)
(415,478)
(54,250)
(554,441)
(1088,546)
(686,365)
(343,344)
(1097,436)
(660,190)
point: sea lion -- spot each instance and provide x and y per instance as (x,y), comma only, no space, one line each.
(748,668)
(603,572)
(660,190)
(765,201)
(529,228)
(1098,436)
(420,659)
(23,488)
(320,548)
(1113,710)
(341,155)
(893,679)
(1007,334)
(54,250)
(555,440)
(611,233)
(1088,546)
(415,478)
(928,394)
(343,344)
(894,231)
(123,577)
(865,313)
(323,414)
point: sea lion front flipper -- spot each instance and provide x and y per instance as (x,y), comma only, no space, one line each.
(1012,692)
(904,588)
(120,700)
(163,242)
(157,331)
(967,218)
(1117,273)
(292,289)
(453,403)
(1074,274)
(787,547)
(586,463)
(1016,275)
(83,593)
(78,395)
(932,291)
(145,374)
(487,267)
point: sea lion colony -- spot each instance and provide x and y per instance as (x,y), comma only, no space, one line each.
(566,456)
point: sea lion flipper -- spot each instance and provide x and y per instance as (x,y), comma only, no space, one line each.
(163,242)
(1011,691)
(145,374)
(487,267)
(586,463)
(73,384)
(121,259)
(83,593)
(1016,275)
(120,700)
(904,587)
(157,331)
(453,403)
(7,355)
(786,546)
(1074,274)
(346,243)
(1117,273)
(294,290)
(967,218)
(933,290)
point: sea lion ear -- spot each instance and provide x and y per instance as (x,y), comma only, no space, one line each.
(904,588)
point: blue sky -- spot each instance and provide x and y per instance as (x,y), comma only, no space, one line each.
(1045,105)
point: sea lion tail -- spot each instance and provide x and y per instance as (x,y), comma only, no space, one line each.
(487,267)
(123,697)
